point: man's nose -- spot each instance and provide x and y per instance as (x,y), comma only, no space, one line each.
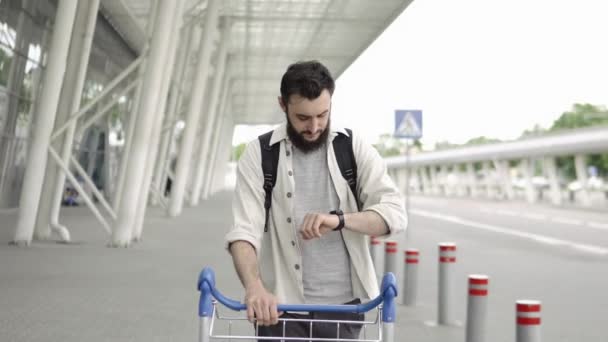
(314,125)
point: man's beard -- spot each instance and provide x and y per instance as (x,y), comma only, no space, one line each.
(304,145)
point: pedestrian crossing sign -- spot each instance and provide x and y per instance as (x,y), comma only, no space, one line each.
(408,124)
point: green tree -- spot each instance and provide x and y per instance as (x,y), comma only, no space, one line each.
(582,115)
(481,140)
(534,131)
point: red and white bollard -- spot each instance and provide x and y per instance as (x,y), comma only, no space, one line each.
(391,257)
(477,308)
(410,277)
(528,321)
(447,257)
(377,256)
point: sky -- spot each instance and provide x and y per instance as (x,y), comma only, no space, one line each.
(475,68)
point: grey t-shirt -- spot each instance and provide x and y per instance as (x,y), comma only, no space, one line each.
(325,261)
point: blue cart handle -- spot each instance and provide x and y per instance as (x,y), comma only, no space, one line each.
(388,292)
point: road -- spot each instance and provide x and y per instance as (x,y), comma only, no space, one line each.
(557,256)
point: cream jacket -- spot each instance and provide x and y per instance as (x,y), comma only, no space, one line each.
(279,258)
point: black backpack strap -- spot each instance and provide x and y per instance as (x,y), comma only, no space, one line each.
(343,149)
(270,163)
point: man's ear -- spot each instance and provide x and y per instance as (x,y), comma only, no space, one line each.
(283,106)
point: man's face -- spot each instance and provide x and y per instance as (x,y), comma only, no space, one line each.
(308,120)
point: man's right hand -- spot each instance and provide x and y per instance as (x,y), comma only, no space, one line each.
(261,305)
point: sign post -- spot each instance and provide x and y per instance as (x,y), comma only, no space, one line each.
(408,125)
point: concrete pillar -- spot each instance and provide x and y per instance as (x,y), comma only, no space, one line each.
(581,177)
(69,103)
(43,128)
(134,111)
(434,180)
(222,117)
(418,177)
(488,179)
(502,168)
(462,181)
(222,156)
(192,38)
(427,185)
(443,180)
(401,179)
(551,171)
(472,180)
(212,115)
(195,107)
(152,79)
(159,115)
(216,149)
(527,169)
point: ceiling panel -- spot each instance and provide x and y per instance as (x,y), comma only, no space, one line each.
(267,36)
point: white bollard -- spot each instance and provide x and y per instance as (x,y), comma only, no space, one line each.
(528,321)
(391,258)
(447,257)
(410,276)
(477,308)
(377,256)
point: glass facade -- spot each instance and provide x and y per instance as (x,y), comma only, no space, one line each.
(26,28)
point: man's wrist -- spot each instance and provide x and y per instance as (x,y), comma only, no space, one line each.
(340,215)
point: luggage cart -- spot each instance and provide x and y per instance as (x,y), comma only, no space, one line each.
(382,327)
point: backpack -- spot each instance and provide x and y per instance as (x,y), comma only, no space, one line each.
(343,149)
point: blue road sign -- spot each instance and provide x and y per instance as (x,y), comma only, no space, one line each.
(408,124)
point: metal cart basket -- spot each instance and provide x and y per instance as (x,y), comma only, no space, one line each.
(218,327)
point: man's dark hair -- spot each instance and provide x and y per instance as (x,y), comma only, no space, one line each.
(307,79)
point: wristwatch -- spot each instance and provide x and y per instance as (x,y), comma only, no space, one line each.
(340,216)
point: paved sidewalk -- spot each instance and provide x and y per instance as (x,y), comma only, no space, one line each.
(88,292)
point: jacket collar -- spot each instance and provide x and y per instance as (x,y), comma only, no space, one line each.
(280,133)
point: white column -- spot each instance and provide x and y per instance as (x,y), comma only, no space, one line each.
(488,181)
(192,38)
(551,170)
(41,135)
(221,109)
(69,103)
(419,184)
(212,115)
(461,181)
(211,178)
(472,180)
(152,79)
(428,188)
(434,180)
(443,180)
(581,177)
(399,176)
(159,115)
(527,169)
(502,168)
(194,110)
(222,156)
(134,109)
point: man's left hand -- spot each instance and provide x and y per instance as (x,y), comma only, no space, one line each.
(316,225)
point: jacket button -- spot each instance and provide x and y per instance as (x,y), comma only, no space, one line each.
(293,243)
(288,153)
(297,267)
(289,220)
(290,173)
(289,195)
